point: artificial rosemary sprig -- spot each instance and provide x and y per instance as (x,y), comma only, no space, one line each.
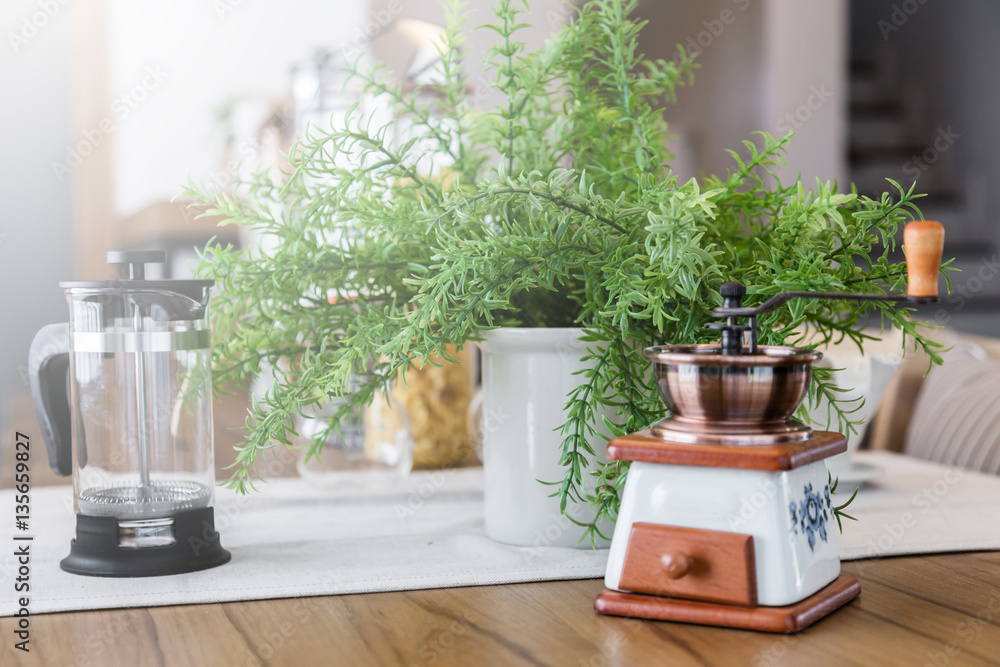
(555,208)
(838,510)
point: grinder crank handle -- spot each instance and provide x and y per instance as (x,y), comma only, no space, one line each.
(923,243)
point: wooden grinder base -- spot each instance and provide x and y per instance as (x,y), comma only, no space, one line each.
(793,618)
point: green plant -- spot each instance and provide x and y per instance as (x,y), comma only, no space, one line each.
(558,207)
(838,510)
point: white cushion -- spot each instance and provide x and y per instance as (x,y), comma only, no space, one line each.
(862,376)
(956,419)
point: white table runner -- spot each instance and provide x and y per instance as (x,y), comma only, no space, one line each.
(921,507)
(292,540)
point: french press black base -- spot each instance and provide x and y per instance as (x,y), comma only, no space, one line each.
(107,547)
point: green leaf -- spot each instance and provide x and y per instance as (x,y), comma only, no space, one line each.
(580,223)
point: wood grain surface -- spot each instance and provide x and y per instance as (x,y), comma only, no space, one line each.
(924,610)
(792,618)
(927,610)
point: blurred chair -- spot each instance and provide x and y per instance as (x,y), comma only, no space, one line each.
(949,415)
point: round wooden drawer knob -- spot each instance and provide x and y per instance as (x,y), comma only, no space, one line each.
(676,565)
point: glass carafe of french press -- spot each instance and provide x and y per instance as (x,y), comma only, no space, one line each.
(123,394)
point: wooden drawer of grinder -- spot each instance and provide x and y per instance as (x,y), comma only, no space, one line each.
(690,563)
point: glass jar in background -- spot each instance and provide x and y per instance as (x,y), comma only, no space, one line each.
(320,98)
(423,424)
(436,399)
(371,451)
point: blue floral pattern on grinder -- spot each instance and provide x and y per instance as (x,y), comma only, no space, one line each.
(809,515)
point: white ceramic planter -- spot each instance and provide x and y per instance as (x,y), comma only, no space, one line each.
(527,375)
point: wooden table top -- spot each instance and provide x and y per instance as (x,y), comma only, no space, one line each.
(923,610)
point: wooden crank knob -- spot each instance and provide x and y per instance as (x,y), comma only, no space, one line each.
(676,564)
(923,242)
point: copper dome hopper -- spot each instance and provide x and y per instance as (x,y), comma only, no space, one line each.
(735,394)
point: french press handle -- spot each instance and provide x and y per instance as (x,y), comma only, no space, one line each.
(48,375)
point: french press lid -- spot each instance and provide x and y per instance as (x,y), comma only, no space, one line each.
(132,275)
(131,278)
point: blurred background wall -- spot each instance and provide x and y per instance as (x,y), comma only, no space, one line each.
(776,66)
(36,214)
(109,106)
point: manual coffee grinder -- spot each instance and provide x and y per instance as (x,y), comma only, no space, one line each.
(726,517)
(123,395)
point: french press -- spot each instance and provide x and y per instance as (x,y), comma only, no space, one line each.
(123,395)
